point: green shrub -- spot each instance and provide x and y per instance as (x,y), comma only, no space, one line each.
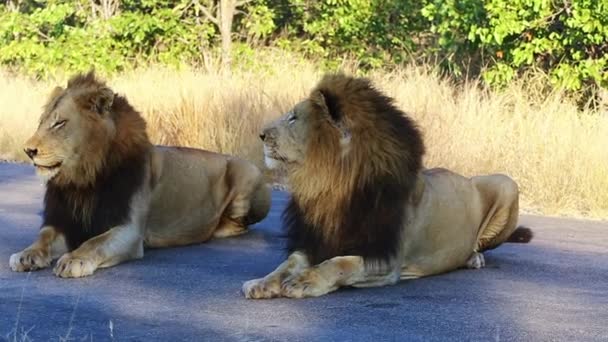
(499,39)
(567,39)
(58,36)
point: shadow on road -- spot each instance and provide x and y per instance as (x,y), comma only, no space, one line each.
(551,289)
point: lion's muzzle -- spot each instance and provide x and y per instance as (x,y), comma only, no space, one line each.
(31,152)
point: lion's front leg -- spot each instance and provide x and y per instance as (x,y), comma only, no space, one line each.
(49,245)
(108,249)
(270,285)
(326,277)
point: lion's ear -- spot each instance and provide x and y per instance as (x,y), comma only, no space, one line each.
(329,104)
(55,93)
(101,100)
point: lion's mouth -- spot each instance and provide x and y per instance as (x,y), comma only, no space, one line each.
(272,159)
(48,167)
(277,157)
(270,153)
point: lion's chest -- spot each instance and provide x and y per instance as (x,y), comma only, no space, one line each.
(83,213)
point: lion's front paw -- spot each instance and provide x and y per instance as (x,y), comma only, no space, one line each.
(261,289)
(306,284)
(69,266)
(30,260)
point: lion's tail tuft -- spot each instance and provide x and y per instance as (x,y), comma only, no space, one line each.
(521,235)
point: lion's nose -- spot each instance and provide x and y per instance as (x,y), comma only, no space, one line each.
(31,152)
(262,136)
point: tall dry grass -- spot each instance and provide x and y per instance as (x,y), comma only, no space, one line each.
(558,154)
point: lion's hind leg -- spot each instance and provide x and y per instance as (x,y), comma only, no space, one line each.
(250,200)
(232,222)
(476,261)
(500,195)
(229,227)
(260,200)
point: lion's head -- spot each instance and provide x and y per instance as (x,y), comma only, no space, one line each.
(347,131)
(84,129)
(351,157)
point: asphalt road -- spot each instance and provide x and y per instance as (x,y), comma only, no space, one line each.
(553,289)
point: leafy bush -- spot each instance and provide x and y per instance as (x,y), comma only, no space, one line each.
(568,39)
(61,36)
(374,32)
(499,39)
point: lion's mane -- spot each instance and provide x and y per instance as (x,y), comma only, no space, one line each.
(96,196)
(349,200)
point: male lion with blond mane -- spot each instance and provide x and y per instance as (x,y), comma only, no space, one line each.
(109,192)
(363,212)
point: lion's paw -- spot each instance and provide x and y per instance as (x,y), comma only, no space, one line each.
(306,284)
(476,261)
(30,260)
(261,289)
(69,266)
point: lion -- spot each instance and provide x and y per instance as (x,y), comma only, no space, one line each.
(110,192)
(363,211)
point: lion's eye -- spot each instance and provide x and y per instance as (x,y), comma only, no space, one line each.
(59,124)
(292,119)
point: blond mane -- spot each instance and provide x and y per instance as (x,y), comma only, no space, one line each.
(130,137)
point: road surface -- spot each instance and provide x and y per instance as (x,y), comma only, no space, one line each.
(553,289)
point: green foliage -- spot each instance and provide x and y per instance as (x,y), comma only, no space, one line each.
(63,36)
(374,32)
(568,39)
(259,22)
(498,39)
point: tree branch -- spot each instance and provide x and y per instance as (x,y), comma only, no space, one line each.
(206,12)
(43,36)
(242,3)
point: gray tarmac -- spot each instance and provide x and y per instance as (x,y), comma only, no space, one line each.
(552,289)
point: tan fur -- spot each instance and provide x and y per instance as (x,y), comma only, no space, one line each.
(451,219)
(187,196)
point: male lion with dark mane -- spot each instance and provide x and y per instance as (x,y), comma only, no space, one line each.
(109,192)
(363,211)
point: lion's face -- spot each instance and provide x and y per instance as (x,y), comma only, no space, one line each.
(285,139)
(288,140)
(74,126)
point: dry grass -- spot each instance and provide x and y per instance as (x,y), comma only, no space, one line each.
(558,155)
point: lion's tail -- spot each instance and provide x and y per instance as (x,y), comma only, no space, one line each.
(521,235)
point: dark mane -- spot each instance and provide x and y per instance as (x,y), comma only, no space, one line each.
(361,208)
(81,213)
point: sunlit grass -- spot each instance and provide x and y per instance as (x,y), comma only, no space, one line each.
(557,153)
